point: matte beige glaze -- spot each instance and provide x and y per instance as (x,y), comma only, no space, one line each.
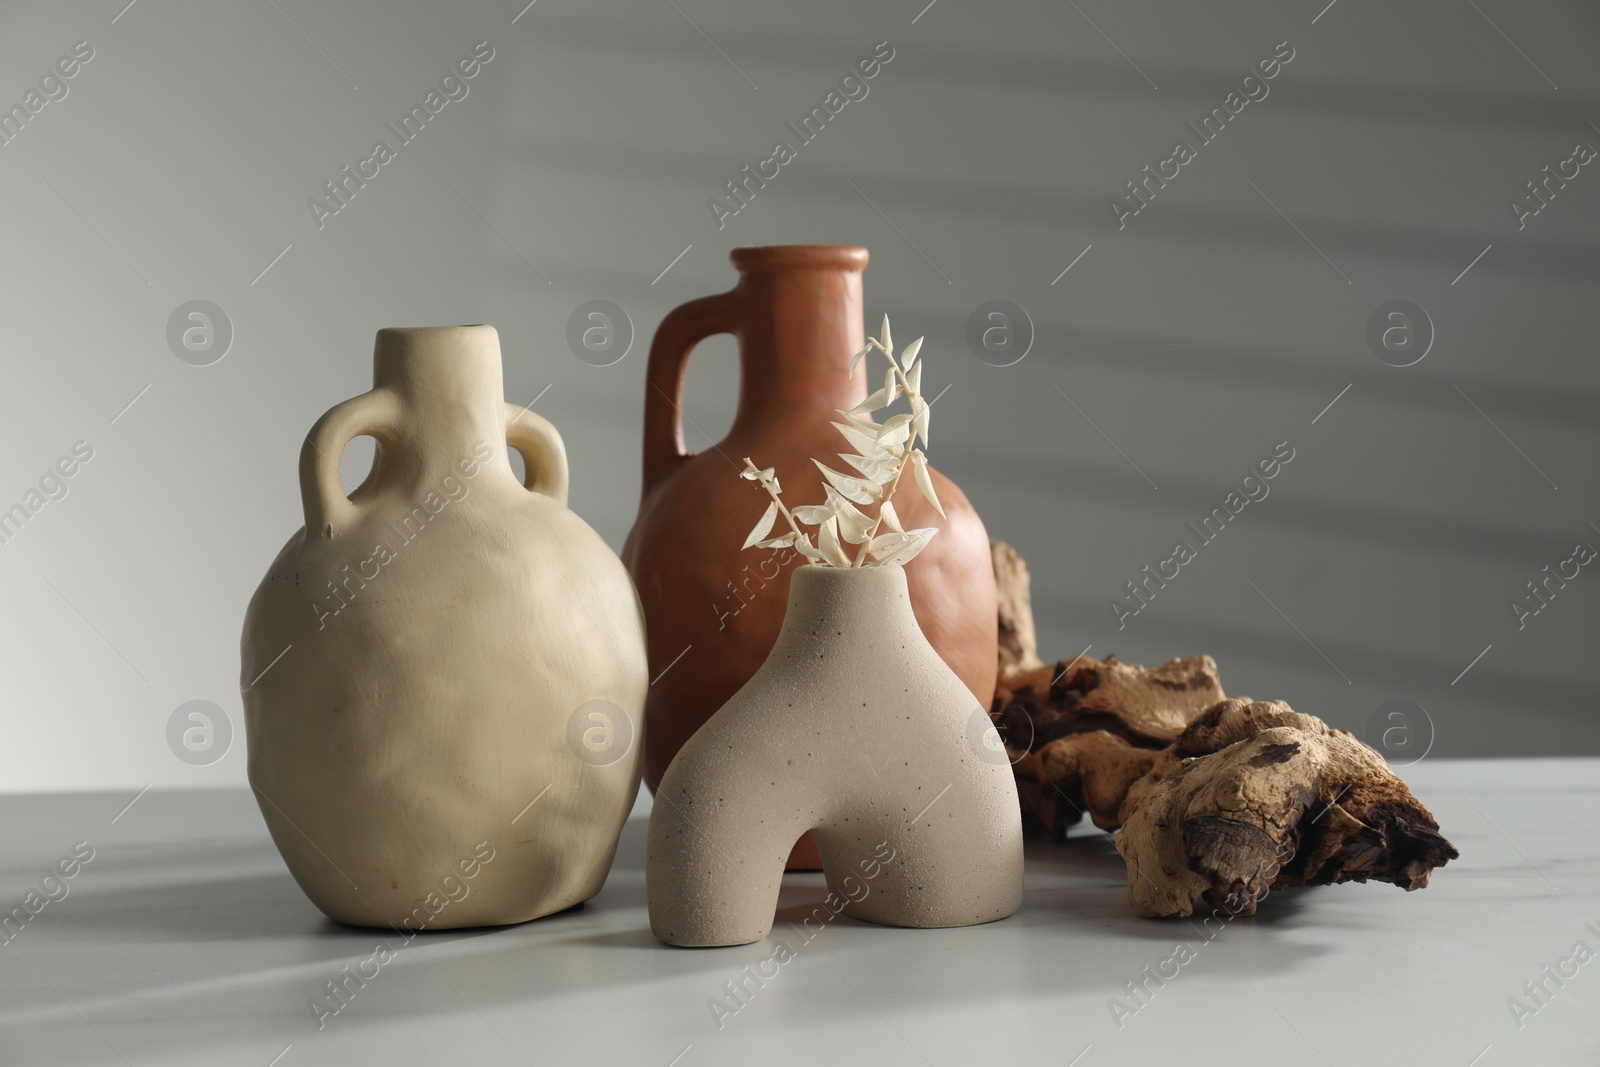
(856,730)
(797,314)
(404,708)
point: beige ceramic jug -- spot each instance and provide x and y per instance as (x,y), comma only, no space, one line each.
(444,673)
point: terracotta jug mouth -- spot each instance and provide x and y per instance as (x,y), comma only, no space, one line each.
(753,258)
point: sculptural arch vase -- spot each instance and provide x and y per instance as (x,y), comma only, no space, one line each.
(714,610)
(443,673)
(855,730)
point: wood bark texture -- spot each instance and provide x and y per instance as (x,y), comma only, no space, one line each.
(1216,801)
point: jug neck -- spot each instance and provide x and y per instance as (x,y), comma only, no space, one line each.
(448,380)
(832,610)
(800,323)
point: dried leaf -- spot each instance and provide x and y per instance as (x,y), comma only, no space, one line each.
(897,549)
(764,526)
(828,543)
(919,421)
(890,517)
(895,433)
(854,526)
(863,422)
(815,514)
(856,489)
(886,543)
(880,399)
(887,342)
(865,442)
(780,542)
(923,535)
(808,550)
(891,387)
(878,469)
(919,464)
(914,378)
(909,356)
(855,360)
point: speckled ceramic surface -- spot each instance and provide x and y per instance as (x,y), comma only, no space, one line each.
(855,729)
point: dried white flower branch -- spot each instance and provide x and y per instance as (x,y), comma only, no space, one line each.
(883,453)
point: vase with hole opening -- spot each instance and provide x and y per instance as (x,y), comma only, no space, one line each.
(714,613)
(855,729)
(444,672)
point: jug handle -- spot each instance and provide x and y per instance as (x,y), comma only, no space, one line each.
(328,511)
(544,456)
(684,327)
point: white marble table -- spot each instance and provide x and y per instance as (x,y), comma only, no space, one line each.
(184,941)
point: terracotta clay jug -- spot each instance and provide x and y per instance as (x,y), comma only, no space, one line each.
(443,673)
(796,313)
(854,729)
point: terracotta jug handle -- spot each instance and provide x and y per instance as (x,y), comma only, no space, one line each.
(328,510)
(544,457)
(684,327)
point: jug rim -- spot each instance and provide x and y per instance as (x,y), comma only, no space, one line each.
(414,330)
(751,258)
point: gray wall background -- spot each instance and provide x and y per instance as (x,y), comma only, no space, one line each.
(1214,326)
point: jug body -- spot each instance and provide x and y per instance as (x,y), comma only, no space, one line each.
(428,664)
(714,610)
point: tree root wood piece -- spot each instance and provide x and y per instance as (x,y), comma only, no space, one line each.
(1218,801)
(1293,803)
(1019,645)
(1081,734)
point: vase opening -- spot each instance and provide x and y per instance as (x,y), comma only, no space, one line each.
(751,259)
